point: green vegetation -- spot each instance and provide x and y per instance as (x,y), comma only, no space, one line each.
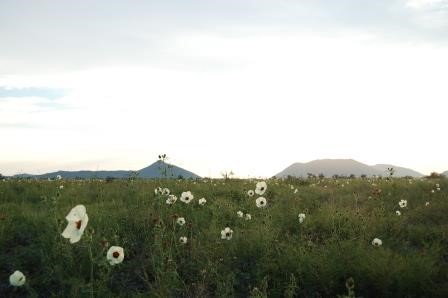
(272,255)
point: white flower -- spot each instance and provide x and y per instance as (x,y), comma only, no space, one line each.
(398,212)
(301,217)
(438,188)
(248,216)
(202,201)
(115,255)
(250,193)
(165,191)
(260,188)
(432,190)
(58,177)
(17,279)
(77,222)
(226,233)
(377,242)
(186,197)
(427,204)
(61,186)
(296,190)
(171,199)
(158,191)
(437,185)
(180,221)
(261,202)
(183,240)
(240,213)
(403,203)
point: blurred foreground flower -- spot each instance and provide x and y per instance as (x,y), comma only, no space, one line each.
(17,279)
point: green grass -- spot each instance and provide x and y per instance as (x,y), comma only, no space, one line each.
(271,255)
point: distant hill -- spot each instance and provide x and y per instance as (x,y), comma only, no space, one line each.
(346,167)
(399,171)
(155,170)
(445,173)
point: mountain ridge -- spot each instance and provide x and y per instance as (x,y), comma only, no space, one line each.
(345,167)
(157,169)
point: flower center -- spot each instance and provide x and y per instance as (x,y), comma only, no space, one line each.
(228,234)
(78,224)
(116,254)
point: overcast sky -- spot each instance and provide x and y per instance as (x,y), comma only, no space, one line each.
(248,86)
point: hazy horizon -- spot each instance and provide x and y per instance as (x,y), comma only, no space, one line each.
(248,86)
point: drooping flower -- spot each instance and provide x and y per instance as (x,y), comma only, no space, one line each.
(227,233)
(403,203)
(77,222)
(260,188)
(17,279)
(248,216)
(171,199)
(202,201)
(250,193)
(180,221)
(261,202)
(186,197)
(183,240)
(115,255)
(377,242)
(240,213)
(301,217)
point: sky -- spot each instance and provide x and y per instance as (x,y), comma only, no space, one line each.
(250,86)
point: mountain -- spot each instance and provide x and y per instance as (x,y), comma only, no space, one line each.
(345,167)
(399,171)
(155,170)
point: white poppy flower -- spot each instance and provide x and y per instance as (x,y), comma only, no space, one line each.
(202,201)
(61,186)
(301,217)
(261,202)
(17,279)
(248,216)
(260,188)
(183,240)
(377,242)
(115,255)
(250,193)
(398,212)
(180,221)
(186,197)
(158,191)
(58,177)
(240,213)
(403,203)
(171,199)
(296,190)
(427,204)
(226,233)
(77,222)
(165,191)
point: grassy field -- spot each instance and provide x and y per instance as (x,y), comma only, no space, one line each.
(271,255)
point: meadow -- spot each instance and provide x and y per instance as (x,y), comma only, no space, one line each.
(328,251)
